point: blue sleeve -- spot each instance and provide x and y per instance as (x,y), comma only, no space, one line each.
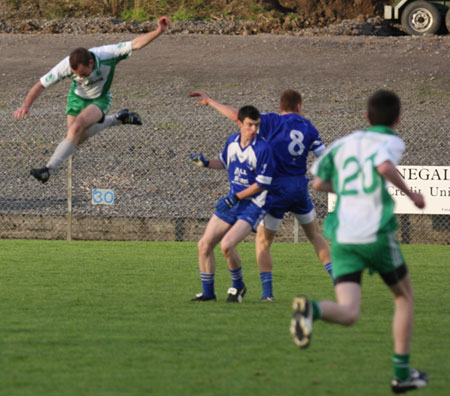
(269,123)
(316,145)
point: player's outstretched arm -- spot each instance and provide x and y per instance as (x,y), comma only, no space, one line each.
(200,160)
(144,39)
(205,100)
(390,173)
(24,110)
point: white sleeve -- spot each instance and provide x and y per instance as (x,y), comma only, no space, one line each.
(319,150)
(390,150)
(121,50)
(58,73)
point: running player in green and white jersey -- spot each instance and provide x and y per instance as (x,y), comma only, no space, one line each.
(362,231)
(88,102)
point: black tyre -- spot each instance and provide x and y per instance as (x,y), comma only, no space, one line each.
(420,17)
(447,20)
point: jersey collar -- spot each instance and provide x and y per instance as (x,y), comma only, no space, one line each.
(252,143)
(97,61)
(381,129)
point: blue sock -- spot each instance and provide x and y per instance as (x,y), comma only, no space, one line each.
(329,268)
(266,282)
(236,277)
(208,284)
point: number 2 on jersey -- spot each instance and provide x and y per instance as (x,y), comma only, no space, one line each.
(366,171)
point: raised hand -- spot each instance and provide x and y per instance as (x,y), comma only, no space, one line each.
(202,95)
(163,23)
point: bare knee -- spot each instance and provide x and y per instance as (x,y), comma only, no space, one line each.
(226,248)
(204,247)
(351,317)
(403,291)
(76,132)
(262,244)
(264,239)
(405,299)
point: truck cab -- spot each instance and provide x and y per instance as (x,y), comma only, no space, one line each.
(419,17)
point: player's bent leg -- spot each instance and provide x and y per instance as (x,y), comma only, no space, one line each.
(314,235)
(345,311)
(265,234)
(312,232)
(400,285)
(214,231)
(263,242)
(77,131)
(228,244)
(405,378)
(237,233)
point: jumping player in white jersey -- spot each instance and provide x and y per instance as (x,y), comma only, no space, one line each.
(291,137)
(249,161)
(362,231)
(89,100)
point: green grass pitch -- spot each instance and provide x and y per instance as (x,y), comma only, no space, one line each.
(114,318)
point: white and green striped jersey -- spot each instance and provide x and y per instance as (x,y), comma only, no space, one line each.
(99,82)
(363,207)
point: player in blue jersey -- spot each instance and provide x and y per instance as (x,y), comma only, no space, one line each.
(249,161)
(291,137)
(89,99)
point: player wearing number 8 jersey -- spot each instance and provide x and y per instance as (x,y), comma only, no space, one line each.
(291,137)
(362,230)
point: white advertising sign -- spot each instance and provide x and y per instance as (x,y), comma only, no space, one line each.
(431,181)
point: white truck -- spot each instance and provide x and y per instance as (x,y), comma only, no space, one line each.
(419,17)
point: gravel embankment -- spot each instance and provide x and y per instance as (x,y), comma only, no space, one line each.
(303,27)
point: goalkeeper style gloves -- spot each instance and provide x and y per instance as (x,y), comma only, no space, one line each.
(227,203)
(199,160)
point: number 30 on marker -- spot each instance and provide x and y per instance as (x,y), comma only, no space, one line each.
(102,196)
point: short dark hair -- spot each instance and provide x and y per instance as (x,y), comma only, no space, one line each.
(79,56)
(289,100)
(383,108)
(248,112)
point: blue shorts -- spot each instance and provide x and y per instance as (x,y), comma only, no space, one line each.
(290,194)
(244,210)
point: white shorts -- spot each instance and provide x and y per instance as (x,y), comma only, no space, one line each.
(273,224)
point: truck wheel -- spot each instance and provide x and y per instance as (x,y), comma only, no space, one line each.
(447,20)
(420,17)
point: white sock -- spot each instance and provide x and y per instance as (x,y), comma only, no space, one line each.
(109,121)
(64,150)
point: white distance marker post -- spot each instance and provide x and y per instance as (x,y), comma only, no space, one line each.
(69,199)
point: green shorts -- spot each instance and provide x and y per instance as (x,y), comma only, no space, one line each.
(382,256)
(75,103)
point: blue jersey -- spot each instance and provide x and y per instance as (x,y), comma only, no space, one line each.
(291,138)
(246,166)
